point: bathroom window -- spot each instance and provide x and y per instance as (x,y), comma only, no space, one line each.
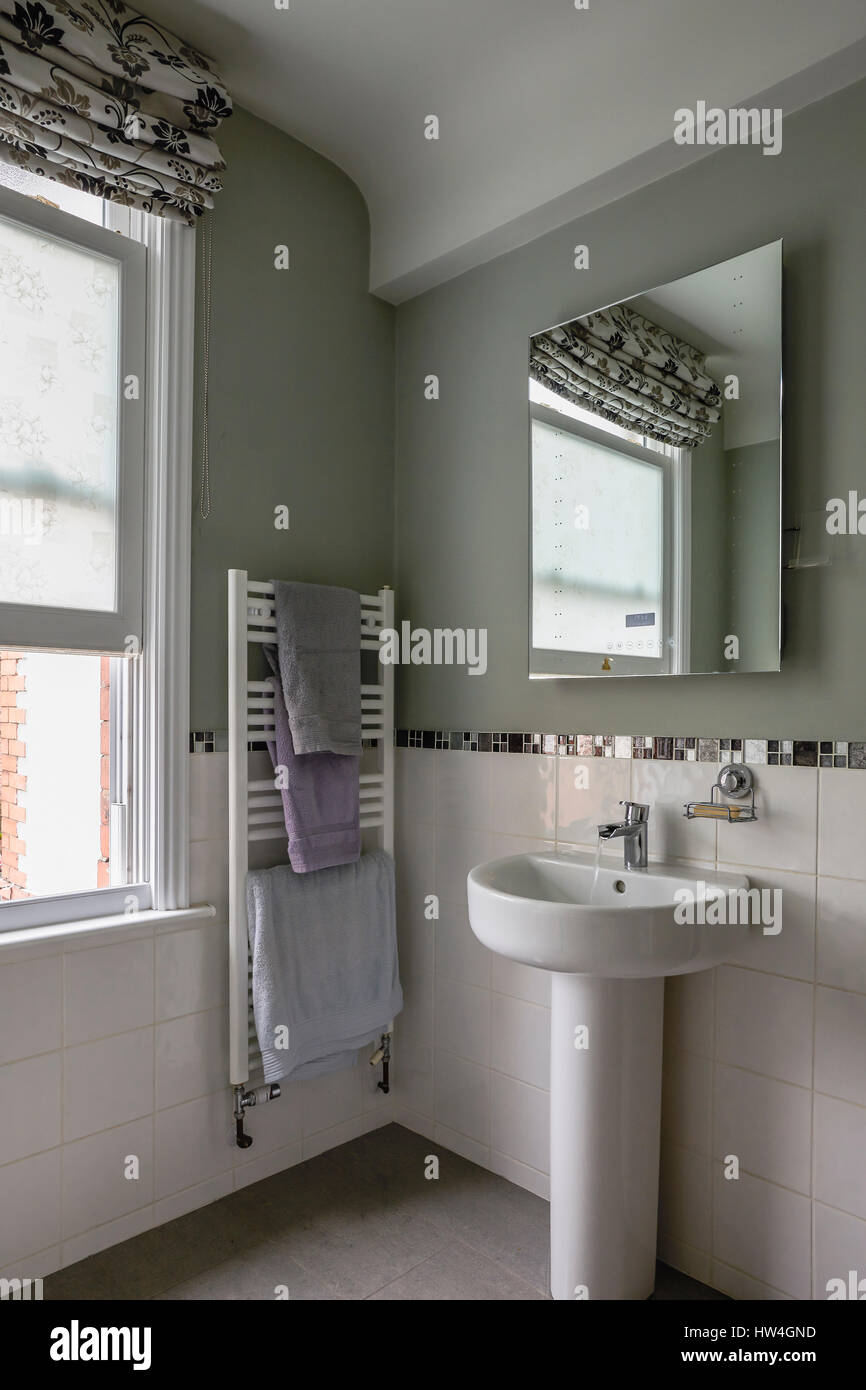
(92,735)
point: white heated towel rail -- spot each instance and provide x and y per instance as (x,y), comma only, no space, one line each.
(256,806)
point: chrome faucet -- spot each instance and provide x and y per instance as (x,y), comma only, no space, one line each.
(634,833)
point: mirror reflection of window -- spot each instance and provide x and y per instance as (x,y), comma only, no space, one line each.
(656,472)
(598,546)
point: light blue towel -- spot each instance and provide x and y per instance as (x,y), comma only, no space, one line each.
(324,956)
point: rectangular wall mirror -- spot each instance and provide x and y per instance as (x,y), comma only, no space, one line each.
(655,443)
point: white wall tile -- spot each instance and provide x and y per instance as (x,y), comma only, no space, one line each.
(107,990)
(30,1203)
(523,795)
(501,846)
(462,1020)
(330,1100)
(104,1236)
(194,1142)
(415,860)
(840,1246)
(208,796)
(107,1083)
(689,1012)
(695,1263)
(520,1174)
(765,1230)
(463,790)
(684,1196)
(520,1122)
(458,851)
(415,784)
(764,1023)
(738,1285)
(842,933)
(840,1044)
(521,981)
(785,834)
(520,1040)
(209,874)
(461,1144)
(412,1074)
(191,1057)
(415,938)
(842,814)
(415,1021)
(96,1187)
(191,970)
(29,1008)
(687,1093)
(462,1096)
(30,1106)
(459,955)
(840,1145)
(665,787)
(790,951)
(765,1124)
(36,1266)
(589,791)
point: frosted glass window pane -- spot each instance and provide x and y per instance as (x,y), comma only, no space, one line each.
(597,547)
(58,422)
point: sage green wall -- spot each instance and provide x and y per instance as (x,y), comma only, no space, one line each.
(301,392)
(462,460)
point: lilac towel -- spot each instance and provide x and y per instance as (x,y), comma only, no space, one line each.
(320,798)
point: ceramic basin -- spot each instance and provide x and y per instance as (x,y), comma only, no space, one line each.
(552,910)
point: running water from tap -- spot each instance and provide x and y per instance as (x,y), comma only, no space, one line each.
(597,867)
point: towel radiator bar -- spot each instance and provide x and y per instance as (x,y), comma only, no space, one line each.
(256,805)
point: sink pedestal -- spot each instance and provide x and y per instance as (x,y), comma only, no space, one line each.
(605,1113)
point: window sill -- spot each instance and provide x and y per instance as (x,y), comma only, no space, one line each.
(96,926)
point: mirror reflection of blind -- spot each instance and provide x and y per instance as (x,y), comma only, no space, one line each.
(58,422)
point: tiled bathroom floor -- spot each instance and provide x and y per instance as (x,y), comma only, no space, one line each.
(361,1221)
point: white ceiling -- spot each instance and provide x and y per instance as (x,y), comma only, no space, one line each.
(545,111)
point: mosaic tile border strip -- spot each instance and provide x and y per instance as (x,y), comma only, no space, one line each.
(771,752)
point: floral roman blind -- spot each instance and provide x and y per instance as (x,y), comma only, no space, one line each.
(619,365)
(97,96)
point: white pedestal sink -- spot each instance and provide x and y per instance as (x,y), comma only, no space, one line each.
(609,939)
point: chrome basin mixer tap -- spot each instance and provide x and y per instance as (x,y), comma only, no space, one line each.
(634,833)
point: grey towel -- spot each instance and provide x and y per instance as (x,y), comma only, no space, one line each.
(324,956)
(319,645)
(320,798)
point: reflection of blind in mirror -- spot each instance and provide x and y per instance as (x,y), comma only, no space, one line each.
(58,422)
(597,547)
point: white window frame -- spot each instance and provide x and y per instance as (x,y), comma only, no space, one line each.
(56,629)
(157,699)
(676,467)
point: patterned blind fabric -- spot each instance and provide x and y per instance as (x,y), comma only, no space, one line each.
(619,365)
(97,96)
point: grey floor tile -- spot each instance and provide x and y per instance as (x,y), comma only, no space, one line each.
(255,1274)
(458,1272)
(466,1202)
(361,1221)
(146,1265)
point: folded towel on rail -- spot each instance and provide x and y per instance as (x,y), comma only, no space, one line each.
(324,960)
(319,645)
(320,796)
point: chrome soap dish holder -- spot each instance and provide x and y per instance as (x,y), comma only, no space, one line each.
(734,781)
